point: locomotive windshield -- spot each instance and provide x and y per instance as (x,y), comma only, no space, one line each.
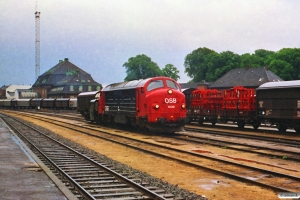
(172,84)
(160,84)
(155,84)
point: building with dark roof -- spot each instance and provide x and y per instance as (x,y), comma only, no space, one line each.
(197,85)
(247,77)
(64,80)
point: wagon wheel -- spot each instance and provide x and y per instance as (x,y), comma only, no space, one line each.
(200,121)
(297,129)
(281,128)
(256,124)
(241,123)
(213,122)
(189,120)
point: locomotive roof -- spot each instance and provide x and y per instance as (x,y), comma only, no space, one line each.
(126,85)
(280,84)
(132,84)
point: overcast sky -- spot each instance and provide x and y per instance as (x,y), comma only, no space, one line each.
(99,36)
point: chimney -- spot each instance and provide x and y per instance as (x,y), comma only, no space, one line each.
(267,67)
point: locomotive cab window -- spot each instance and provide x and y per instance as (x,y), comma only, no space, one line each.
(172,84)
(155,84)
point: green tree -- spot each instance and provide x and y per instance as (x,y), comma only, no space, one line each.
(206,64)
(285,63)
(282,68)
(221,64)
(264,54)
(170,71)
(251,60)
(198,62)
(141,67)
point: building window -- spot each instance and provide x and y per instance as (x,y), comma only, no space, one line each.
(71,88)
(80,89)
(56,89)
(98,87)
(89,88)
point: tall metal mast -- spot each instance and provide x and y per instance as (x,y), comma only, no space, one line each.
(37,42)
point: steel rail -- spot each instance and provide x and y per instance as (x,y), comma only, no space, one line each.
(85,193)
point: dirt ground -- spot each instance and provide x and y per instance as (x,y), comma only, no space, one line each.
(200,182)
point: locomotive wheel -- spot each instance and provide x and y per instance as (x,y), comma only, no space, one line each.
(132,122)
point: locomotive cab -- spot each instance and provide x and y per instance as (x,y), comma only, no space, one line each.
(165,107)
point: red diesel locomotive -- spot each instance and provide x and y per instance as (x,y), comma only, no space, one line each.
(155,103)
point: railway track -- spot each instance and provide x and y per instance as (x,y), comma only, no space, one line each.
(266,146)
(234,144)
(243,134)
(257,176)
(86,176)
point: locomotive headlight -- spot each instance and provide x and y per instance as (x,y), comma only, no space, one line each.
(155,106)
(183,106)
(170,91)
